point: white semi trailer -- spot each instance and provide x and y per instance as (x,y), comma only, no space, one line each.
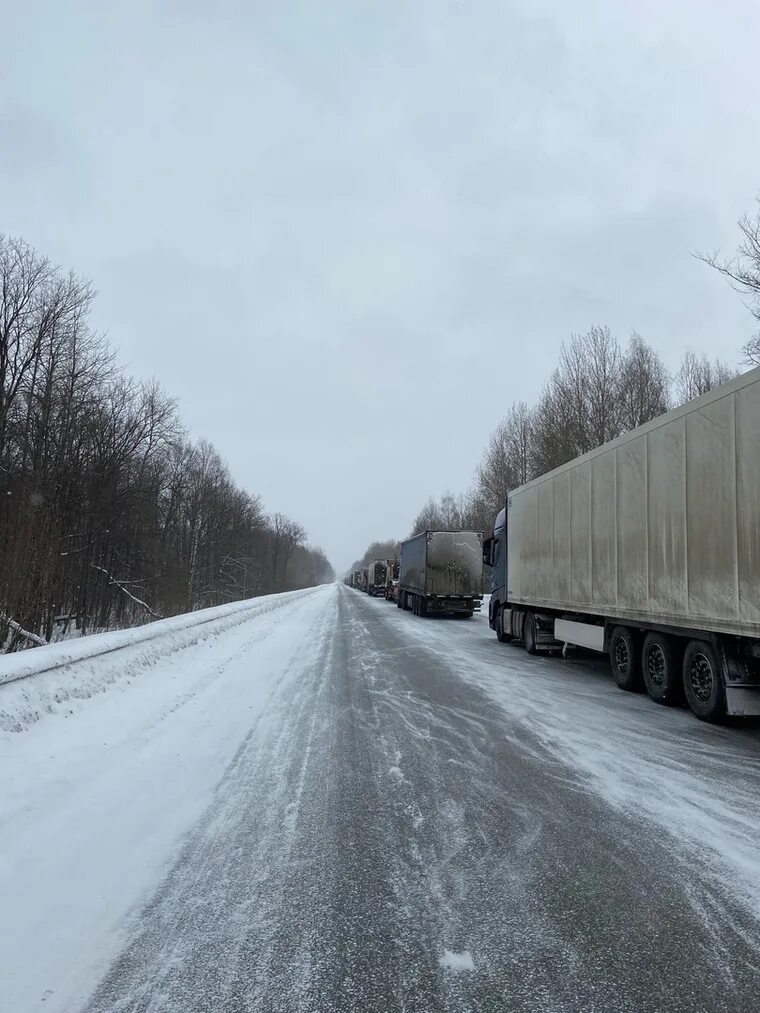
(647,548)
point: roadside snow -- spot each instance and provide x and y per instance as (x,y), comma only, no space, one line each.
(96,798)
(48,679)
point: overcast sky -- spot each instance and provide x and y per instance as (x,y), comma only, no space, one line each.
(348,235)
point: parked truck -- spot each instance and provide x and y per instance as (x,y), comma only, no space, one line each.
(648,549)
(391,580)
(440,572)
(376,573)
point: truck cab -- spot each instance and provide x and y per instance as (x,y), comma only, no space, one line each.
(495,556)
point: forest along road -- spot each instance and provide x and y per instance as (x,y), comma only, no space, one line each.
(422,819)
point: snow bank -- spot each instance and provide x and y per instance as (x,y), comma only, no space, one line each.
(95,800)
(33,662)
(37,682)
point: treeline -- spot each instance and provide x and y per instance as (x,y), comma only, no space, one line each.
(109,514)
(598,390)
(388,549)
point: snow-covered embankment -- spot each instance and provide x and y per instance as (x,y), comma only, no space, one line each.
(111,748)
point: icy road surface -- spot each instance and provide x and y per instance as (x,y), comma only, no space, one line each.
(331,805)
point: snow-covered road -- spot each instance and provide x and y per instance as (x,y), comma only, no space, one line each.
(327,804)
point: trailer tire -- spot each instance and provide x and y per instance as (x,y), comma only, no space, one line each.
(661,668)
(529,633)
(501,636)
(625,660)
(422,609)
(702,682)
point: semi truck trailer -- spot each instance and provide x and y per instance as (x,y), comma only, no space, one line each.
(376,574)
(440,572)
(648,549)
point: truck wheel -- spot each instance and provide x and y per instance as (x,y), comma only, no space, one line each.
(422,610)
(661,668)
(625,660)
(501,636)
(529,633)
(702,681)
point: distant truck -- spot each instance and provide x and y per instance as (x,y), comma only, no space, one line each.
(391,580)
(647,549)
(440,572)
(376,573)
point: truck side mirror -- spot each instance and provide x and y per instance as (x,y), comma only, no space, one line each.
(488,551)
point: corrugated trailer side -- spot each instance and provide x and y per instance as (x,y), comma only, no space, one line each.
(662,524)
(649,547)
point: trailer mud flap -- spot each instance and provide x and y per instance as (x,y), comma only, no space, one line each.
(743,701)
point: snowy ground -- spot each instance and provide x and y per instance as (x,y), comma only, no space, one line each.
(321,803)
(106,764)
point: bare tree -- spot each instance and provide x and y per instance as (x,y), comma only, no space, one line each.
(644,384)
(751,351)
(429,518)
(384,549)
(108,514)
(287,535)
(580,408)
(696,375)
(507,461)
(743,269)
(447,514)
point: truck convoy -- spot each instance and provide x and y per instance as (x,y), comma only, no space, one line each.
(376,576)
(648,549)
(379,578)
(440,572)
